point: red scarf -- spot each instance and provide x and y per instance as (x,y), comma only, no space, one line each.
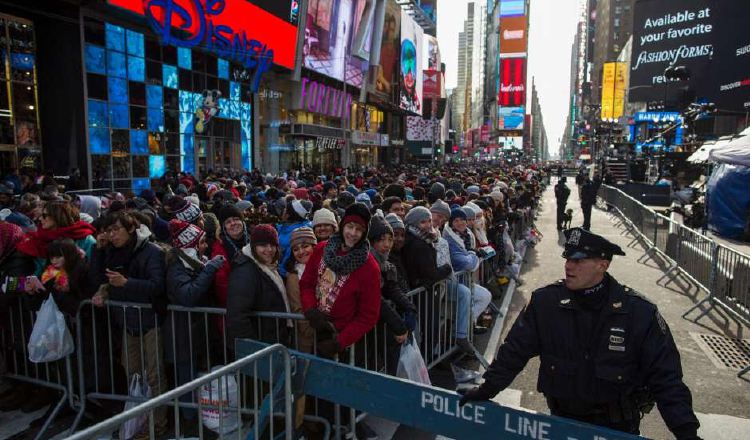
(35,243)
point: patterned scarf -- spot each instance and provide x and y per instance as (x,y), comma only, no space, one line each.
(10,236)
(349,262)
(428,237)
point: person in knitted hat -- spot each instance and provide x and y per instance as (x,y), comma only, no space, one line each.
(344,290)
(397,312)
(441,212)
(189,280)
(255,285)
(181,209)
(303,244)
(364,198)
(296,215)
(233,236)
(395,256)
(324,224)
(437,192)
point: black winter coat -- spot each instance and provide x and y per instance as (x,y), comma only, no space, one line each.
(588,193)
(145,272)
(630,348)
(394,301)
(252,290)
(420,262)
(187,287)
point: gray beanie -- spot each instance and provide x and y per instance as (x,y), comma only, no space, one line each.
(395,221)
(417,214)
(378,228)
(470,213)
(441,207)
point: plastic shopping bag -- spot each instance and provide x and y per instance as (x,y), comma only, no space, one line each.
(411,365)
(50,338)
(138,388)
(224,390)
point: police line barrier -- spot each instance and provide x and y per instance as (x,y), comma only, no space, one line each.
(722,272)
(257,415)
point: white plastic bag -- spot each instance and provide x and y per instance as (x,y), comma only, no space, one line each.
(138,388)
(50,338)
(210,396)
(411,365)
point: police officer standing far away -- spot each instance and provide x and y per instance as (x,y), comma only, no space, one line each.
(588,199)
(562,192)
(606,353)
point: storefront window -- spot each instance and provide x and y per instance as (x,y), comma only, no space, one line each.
(20,141)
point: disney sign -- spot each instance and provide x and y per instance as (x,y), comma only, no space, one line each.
(232,29)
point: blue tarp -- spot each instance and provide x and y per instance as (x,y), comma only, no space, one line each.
(729,200)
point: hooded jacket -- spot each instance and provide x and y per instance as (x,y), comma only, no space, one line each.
(462,259)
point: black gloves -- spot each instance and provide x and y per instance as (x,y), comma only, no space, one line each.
(318,320)
(475,394)
(328,348)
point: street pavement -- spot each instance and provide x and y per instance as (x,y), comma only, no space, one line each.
(720,399)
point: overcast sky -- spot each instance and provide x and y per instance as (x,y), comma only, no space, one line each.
(551,33)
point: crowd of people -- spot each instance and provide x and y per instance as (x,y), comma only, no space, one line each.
(342,249)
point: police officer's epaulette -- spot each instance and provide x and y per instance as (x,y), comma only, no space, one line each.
(632,292)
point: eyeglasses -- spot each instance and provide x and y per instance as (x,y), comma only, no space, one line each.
(113,229)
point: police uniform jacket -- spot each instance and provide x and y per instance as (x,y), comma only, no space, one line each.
(630,347)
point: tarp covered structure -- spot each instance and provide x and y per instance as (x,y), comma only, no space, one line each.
(701,155)
(736,152)
(729,200)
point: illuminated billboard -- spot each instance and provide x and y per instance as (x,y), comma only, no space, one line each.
(613,90)
(510,142)
(411,66)
(509,8)
(244,31)
(336,38)
(512,82)
(510,118)
(513,35)
(387,72)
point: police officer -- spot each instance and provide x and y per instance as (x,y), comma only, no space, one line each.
(588,199)
(606,353)
(562,192)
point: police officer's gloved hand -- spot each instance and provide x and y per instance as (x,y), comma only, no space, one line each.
(688,431)
(476,394)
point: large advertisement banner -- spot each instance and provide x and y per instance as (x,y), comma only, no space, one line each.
(386,79)
(336,38)
(412,36)
(511,118)
(418,129)
(708,37)
(512,82)
(513,36)
(432,58)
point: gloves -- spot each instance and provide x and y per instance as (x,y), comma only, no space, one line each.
(410,320)
(318,320)
(328,348)
(216,262)
(475,394)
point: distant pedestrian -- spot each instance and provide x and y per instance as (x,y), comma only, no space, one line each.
(606,353)
(562,192)
(588,199)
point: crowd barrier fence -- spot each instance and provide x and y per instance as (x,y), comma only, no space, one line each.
(723,273)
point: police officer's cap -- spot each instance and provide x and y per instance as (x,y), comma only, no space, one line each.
(580,243)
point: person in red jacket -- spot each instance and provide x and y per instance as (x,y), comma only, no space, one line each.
(340,288)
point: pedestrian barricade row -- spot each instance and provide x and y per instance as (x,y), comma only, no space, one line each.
(167,350)
(723,273)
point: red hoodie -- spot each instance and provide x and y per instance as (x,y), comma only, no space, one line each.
(357,307)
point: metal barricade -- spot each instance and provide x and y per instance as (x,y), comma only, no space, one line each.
(263,405)
(57,375)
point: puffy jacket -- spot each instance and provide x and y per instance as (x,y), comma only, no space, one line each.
(252,290)
(188,285)
(462,259)
(146,275)
(357,306)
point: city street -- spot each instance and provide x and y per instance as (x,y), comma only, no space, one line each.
(721,400)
